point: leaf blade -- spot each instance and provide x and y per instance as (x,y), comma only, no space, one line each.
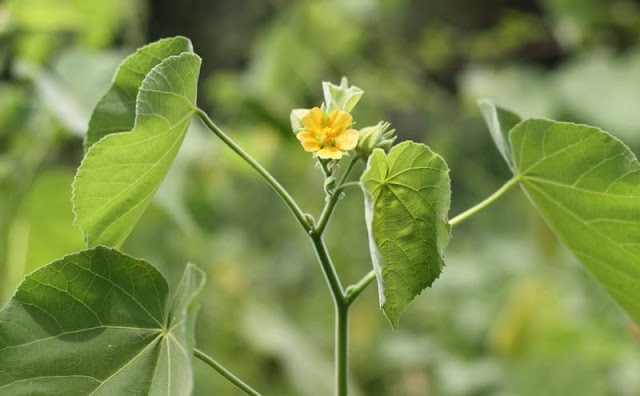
(584,182)
(101,335)
(120,173)
(408,227)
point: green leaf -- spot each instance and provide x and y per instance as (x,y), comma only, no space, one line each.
(120,173)
(98,322)
(407,197)
(116,111)
(499,121)
(586,184)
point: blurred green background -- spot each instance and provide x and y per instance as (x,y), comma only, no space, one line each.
(512,314)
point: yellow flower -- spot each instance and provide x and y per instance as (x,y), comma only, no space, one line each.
(329,136)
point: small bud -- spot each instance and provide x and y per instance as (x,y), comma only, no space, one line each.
(377,136)
(342,97)
(330,185)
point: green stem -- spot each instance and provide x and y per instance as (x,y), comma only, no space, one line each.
(329,270)
(352,292)
(333,198)
(229,376)
(342,351)
(286,197)
(333,281)
(345,186)
(341,312)
(488,201)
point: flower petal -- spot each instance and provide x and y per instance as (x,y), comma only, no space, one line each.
(309,141)
(330,152)
(313,120)
(339,120)
(347,140)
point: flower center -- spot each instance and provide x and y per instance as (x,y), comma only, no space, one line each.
(328,135)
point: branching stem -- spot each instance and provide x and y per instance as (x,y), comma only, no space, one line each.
(333,198)
(354,291)
(286,197)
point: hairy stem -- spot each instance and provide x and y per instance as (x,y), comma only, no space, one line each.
(229,376)
(488,201)
(286,197)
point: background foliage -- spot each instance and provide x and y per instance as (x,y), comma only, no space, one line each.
(512,312)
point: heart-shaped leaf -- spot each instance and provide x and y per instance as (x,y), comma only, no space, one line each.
(407,197)
(586,184)
(116,111)
(121,172)
(98,322)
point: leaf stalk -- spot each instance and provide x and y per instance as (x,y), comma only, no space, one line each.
(485,203)
(228,375)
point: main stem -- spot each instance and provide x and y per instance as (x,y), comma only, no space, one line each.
(342,348)
(286,197)
(341,303)
(342,300)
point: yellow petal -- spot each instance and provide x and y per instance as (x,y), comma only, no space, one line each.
(330,152)
(339,120)
(309,142)
(347,140)
(305,135)
(313,120)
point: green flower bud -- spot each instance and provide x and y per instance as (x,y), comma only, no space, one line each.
(377,136)
(296,118)
(342,97)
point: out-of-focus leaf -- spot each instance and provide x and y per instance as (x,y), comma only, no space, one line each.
(116,111)
(586,184)
(525,89)
(614,79)
(120,173)
(95,22)
(99,322)
(42,229)
(407,197)
(72,86)
(311,373)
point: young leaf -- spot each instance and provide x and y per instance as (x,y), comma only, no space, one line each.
(116,111)
(586,184)
(499,121)
(98,322)
(120,173)
(407,197)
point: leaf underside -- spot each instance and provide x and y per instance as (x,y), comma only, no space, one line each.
(116,111)
(499,121)
(98,322)
(586,184)
(121,172)
(407,198)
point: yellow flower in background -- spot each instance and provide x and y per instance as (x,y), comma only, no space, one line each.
(329,136)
